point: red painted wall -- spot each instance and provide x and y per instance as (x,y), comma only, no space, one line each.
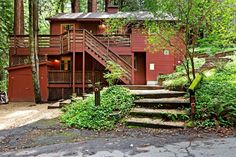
(163,64)
(21,85)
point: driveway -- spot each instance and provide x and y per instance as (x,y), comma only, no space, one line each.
(18,114)
(220,147)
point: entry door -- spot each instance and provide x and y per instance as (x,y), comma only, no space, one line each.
(140,68)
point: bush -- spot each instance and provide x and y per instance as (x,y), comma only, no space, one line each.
(84,114)
(114,72)
(216,98)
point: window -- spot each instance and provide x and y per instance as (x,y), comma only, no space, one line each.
(66,27)
(66,63)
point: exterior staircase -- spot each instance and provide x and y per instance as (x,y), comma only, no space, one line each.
(158,108)
(102,53)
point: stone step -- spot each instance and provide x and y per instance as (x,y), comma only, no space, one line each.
(154,123)
(152,112)
(143,87)
(59,104)
(168,103)
(162,93)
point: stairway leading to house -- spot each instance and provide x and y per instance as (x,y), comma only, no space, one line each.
(102,53)
(158,108)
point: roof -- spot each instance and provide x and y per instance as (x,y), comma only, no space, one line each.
(140,16)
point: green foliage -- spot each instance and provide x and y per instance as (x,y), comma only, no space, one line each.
(115,24)
(197,23)
(6,27)
(114,72)
(179,77)
(216,101)
(84,114)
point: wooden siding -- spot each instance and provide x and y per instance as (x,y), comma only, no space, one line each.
(138,41)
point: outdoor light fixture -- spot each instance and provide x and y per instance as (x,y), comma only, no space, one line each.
(56,61)
(102,27)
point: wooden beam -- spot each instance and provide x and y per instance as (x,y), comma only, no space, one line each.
(73,74)
(83,71)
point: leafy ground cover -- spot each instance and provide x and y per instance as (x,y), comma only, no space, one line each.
(216,101)
(85,114)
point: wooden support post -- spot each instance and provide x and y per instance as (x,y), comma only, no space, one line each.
(132,68)
(93,72)
(73,74)
(74,50)
(97,96)
(83,73)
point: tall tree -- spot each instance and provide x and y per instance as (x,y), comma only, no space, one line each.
(18,17)
(6,25)
(92,5)
(33,46)
(75,6)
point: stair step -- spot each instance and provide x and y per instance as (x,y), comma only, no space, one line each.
(163,103)
(147,111)
(143,87)
(162,93)
(154,123)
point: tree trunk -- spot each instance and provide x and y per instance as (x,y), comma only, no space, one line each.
(33,46)
(75,6)
(92,5)
(18,17)
(106,5)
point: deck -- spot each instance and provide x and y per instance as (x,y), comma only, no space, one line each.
(71,41)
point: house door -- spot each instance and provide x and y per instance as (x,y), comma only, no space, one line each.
(140,68)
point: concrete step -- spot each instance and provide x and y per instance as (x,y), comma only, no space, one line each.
(162,93)
(59,104)
(168,103)
(143,87)
(156,112)
(154,123)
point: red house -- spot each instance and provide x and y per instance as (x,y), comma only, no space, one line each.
(75,53)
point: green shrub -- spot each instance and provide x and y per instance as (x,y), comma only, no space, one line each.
(114,72)
(84,114)
(216,98)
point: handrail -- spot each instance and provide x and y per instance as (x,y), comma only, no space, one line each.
(108,49)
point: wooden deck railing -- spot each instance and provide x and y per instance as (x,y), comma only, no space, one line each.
(68,40)
(22,41)
(65,77)
(118,40)
(105,53)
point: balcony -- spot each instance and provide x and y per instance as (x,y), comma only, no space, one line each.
(70,41)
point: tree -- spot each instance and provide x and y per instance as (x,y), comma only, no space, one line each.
(33,47)
(6,25)
(75,6)
(18,17)
(191,18)
(92,5)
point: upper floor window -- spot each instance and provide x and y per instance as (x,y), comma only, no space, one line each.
(66,27)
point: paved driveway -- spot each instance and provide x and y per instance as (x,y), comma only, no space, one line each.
(222,147)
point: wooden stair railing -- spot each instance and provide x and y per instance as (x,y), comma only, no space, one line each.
(103,53)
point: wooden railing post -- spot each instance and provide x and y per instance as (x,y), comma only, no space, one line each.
(191,90)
